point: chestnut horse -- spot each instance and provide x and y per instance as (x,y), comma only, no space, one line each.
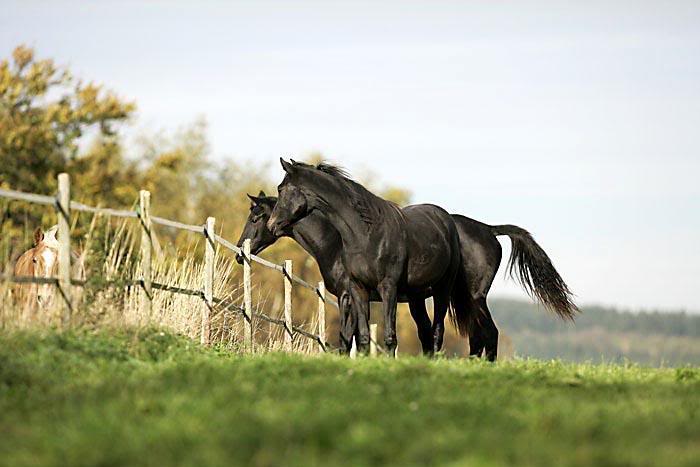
(42,261)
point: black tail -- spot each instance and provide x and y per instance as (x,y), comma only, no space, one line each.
(462,314)
(531,266)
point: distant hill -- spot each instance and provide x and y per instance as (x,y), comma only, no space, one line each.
(599,334)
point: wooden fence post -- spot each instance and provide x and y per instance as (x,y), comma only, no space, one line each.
(63,211)
(322,316)
(373,340)
(209,259)
(146,249)
(288,304)
(247,298)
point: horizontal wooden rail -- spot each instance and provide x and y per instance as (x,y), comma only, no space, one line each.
(226,244)
(238,250)
(30,197)
(75,206)
(28,279)
(269,264)
(177,225)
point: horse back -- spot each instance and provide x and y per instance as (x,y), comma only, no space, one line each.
(433,244)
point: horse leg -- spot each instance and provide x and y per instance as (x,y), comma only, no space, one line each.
(490,331)
(476,340)
(348,322)
(423,325)
(483,334)
(477,337)
(440,301)
(387,290)
(360,310)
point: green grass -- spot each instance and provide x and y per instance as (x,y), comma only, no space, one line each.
(150,398)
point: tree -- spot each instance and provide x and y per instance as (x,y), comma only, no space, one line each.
(103,176)
(44,112)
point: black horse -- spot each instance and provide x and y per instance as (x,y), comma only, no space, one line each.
(322,241)
(413,251)
(481,257)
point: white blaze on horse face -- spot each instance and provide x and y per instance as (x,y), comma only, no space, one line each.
(49,256)
(45,293)
(50,238)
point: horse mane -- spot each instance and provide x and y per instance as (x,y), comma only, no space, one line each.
(368,205)
(334,170)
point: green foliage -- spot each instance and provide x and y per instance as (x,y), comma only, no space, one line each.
(103,176)
(43,113)
(522,315)
(599,334)
(150,398)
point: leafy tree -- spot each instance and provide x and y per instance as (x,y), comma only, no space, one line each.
(103,176)
(44,112)
(174,169)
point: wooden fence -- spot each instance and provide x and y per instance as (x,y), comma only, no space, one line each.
(64,206)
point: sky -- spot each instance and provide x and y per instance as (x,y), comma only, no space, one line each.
(578,121)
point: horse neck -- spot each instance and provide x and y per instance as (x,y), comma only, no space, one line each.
(317,236)
(25,264)
(331,199)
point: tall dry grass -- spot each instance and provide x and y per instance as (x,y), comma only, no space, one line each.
(109,300)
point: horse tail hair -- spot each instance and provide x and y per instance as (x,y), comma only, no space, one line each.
(530,265)
(460,312)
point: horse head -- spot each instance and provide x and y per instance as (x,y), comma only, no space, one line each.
(40,262)
(292,204)
(255,228)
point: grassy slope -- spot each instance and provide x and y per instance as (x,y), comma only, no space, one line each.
(155,399)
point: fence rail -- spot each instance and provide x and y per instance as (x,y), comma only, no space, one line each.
(63,206)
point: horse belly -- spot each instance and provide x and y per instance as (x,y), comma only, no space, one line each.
(426,268)
(429,248)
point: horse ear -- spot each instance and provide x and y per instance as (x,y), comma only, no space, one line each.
(293,161)
(38,236)
(52,234)
(253,199)
(262,194)
(289,168)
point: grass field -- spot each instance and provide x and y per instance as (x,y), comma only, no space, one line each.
(150,398)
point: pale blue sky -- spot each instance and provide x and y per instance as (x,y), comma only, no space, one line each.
(576,120)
